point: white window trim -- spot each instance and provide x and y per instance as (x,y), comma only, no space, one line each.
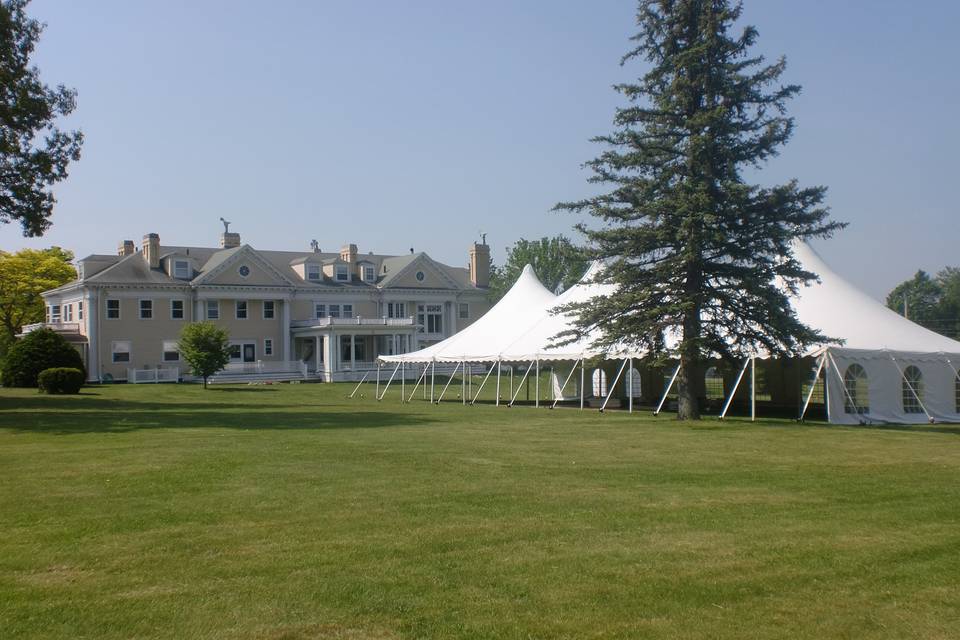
(341,270)
(186,275)
(460,307)
(206,309)
(106,308)
(310,269)
(263,310)
(164,350)
(369,269)
(183,308)
(114,351)
(246,309)
(266,342)
(80,311)
(140,302)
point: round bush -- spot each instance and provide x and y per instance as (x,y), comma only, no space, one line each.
(36,351)
(60,380)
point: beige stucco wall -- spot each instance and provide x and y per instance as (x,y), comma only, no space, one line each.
(145,336)
(258,275)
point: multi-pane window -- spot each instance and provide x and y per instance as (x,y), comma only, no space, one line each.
(334,311)
(356,353)
(857,395)
(396,310)
(80,310)
(241,309)
(313,272)
(319,310)
(430,318)
(347,310)
(213,309)
(912,390)
(113,309)
(343,275)
(146,309)
(181,269)
(599,380)
(269,309)
(176,309)
(268,346)
(68,313)
(120,351)
(55,313)
(463,311)
(368,273)
(171,352)
(236,352)
(713,383)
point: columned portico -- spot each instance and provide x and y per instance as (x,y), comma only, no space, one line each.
(341,349)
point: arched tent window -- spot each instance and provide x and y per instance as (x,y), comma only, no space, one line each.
(713,383)
(635,386)
(599,384)
(912,390)
(857,397)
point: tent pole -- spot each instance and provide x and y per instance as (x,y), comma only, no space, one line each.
(470,382)
(753,389)
(395,369)
(362,380)
(433,378)
(377,394)
(481,385)
(455,369)
(613,386)
(463,382)
(565,383)
(520,386)
(909,386)
(630,387)
(813,385)
(403,381)
(419,380)
(583,375)
(537,388)
(666,391)
(511,382)
(498,382)
(733,392)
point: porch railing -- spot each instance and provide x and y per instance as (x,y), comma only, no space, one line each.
(62,327)
(267,366)
(358,321)
(141,376)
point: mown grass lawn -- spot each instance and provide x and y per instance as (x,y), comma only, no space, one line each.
(293,512)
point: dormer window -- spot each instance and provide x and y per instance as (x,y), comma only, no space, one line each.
(368,273)
(313,272)
(341,272)
(181,269)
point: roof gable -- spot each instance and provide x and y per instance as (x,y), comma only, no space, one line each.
(224,268)
(402,273)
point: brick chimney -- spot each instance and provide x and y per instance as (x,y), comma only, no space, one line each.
(480,265)
(151,250)
(126,248)
(229,240)
(348,253)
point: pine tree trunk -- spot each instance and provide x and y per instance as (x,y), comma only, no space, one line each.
(688,403)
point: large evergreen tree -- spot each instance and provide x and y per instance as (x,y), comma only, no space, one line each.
(34,152)
(697,252)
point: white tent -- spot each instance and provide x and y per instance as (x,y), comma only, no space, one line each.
(885,369)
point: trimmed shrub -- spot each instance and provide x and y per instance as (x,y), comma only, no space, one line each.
(36,351)
(60,380)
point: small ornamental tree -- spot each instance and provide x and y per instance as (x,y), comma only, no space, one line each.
(38,350)
(205,347)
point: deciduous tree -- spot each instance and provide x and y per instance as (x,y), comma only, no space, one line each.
(205,347)
(558,263)
(23,276)
(696,250)
(34,152)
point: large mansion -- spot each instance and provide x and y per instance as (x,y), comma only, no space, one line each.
(329,314)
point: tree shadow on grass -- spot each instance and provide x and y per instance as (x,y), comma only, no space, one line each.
(949,428)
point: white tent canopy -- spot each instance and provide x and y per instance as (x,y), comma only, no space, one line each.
(904,372)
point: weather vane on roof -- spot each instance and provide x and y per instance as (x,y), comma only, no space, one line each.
(226,225)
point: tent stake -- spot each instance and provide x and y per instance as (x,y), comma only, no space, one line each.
(613,386)
(385,389)
(813,386)
(666,392)
(455,369)
(565,383)
(520,386)
(481,385)
(733,392)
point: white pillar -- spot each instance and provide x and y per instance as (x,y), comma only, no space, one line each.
(353,352)
(318,345)
(91,311)
(285,328)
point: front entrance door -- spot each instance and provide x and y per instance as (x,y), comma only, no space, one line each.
(249,353)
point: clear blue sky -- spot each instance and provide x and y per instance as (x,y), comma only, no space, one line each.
(422,123)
